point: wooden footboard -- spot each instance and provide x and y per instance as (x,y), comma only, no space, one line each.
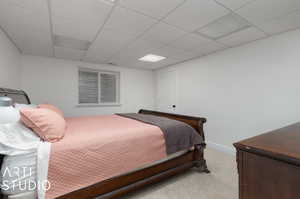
(118,186)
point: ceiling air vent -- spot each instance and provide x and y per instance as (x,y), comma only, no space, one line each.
(224,26)
(68,42)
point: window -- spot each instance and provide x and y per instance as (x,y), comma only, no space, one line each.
(97,87)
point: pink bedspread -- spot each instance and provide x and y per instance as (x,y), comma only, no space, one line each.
(98,148)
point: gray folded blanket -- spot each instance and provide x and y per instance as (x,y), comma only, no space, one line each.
(178,135)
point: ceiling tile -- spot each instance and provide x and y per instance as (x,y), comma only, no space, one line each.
(128,59)
(129,22)
(101,57)
(79,19)
(164,63)
(108,43)
(123,59)
(141,65)
(234,4)
(34,5)
(189,42)
(163,33)
(194,14)
(71,28)
(133,63)
(174,53)
(136,50)
(17,17)
(210,47)
(35,35)
(241,37)
(154,8)
(36,44)
(68,42)
(283,24)
(224,26)
(68,53)
(262,11)
(33,42)
(98,55)
(144,46)
(112,40)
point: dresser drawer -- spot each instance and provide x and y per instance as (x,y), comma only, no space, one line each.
(262,177)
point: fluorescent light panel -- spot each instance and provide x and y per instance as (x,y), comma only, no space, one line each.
(224,26)
(152,58)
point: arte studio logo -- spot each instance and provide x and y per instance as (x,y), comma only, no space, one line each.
(21,178)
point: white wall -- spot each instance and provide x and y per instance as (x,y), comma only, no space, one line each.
(49,80)
(10,63)
(243,91)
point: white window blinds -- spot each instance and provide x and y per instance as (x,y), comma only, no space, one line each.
(108,88)
(88,87)
(98,87)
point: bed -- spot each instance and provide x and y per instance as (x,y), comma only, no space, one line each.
(119,185)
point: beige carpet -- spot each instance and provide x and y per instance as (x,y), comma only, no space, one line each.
(221,183)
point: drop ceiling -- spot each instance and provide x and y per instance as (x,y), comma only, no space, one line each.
(122,31)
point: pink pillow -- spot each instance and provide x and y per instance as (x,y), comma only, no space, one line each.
(47,124)
(52,108)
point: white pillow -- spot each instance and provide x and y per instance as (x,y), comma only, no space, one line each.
(20,106)
(16,139)
(9,114)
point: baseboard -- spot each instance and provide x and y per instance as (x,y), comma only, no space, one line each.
(220,147)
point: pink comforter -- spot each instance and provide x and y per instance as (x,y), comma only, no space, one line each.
(98,148)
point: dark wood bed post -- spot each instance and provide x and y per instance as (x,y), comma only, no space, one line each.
(200,162)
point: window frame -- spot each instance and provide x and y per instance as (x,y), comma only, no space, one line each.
(99,72)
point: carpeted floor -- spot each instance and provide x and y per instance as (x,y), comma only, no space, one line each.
(221,183)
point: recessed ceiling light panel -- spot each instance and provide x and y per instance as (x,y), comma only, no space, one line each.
(224,26)
(152,58)
(68,42)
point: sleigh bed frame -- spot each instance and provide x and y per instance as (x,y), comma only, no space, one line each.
(120,185)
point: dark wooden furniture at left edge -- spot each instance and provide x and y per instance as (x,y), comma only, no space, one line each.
(120,185)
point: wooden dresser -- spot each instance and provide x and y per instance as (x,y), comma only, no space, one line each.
(269,165)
